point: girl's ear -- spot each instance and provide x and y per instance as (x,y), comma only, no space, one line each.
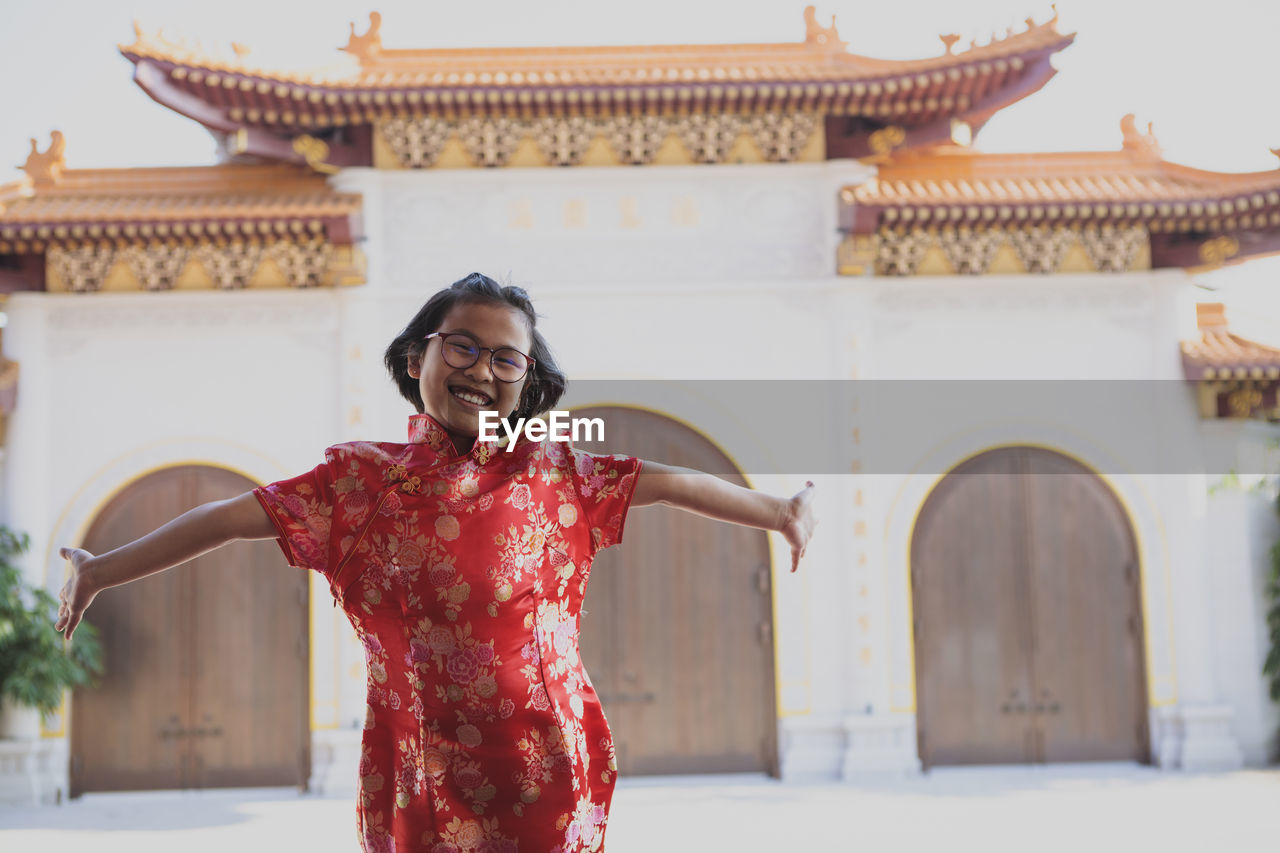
(415,366)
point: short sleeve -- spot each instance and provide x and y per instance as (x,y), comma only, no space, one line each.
(605,485)
(302,511)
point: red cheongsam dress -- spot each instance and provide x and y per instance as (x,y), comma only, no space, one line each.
(463,575)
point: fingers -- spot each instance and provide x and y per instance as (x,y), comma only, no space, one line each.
(68,620)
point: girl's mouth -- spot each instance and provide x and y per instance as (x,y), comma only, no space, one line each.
(469,398)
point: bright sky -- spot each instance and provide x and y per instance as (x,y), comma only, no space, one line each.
(1200,72)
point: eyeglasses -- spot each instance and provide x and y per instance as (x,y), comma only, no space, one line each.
(461,351)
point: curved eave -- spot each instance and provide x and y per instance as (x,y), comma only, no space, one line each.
(1183,209)
(143,205)
(923,96)
(965,100)
(1222,355)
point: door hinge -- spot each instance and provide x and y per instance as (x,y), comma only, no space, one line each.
(765,632)
(762,580)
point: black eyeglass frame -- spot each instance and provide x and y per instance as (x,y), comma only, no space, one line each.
(493,351)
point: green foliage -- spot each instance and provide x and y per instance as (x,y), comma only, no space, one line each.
(35,664)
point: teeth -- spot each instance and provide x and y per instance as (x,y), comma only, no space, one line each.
(470,397)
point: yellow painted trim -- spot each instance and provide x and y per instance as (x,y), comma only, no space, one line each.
(773,562)
(1138,544)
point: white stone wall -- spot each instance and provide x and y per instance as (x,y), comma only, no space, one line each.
(704,260)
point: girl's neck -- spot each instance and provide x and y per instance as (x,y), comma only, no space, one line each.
(462,443)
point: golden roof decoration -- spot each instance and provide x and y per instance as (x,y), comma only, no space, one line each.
(816,34)
(366,46)
(1144,146)
(44,168)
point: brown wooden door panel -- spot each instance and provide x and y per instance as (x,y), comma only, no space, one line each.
(672,630)
(124,733)
(251,684)
(1024,572)
(972,681)
(206,679)
(1087,654)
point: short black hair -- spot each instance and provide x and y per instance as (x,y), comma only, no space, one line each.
(546,382)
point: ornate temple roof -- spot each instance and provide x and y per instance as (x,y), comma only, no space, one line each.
(53,212)
(164,202)
(1193,217)
(1217,353)
(913,102)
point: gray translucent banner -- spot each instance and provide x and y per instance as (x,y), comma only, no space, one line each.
(925,426)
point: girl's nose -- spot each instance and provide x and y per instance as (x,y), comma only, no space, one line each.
(480,371)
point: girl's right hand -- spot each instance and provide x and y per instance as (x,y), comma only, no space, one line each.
(77,593)
(799,523)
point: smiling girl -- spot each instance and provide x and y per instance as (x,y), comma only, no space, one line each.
(462,564)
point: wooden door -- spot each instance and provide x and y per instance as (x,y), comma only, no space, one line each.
(971,670)
(207,681)
(1027,618)
(677,629)
(1086,647)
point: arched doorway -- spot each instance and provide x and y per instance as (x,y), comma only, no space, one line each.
(207,665)
(1027,616)
(677,632)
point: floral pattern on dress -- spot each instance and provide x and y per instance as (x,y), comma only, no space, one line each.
(464,575)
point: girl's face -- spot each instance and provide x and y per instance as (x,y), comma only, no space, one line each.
(440,385)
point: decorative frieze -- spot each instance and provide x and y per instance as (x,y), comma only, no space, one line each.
(491,141)
(991,250)
(1041,248)
(417,143)
(156,266)
(232,264)
(781,137)
(969,252)
(81,268)
(224,265)
(1112,248)
(708,138)
(564,140)
(635,139)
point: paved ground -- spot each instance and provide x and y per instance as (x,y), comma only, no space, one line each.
(989,810)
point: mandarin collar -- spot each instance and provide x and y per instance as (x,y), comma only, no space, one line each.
(424,429)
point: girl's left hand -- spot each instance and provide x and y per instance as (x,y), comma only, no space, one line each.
(799,524)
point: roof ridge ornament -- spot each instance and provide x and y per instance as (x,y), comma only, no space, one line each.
(44,168)
(820,36)
(1144,146)
(949,39)
(369,45)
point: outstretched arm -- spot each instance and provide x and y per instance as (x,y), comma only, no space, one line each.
(704,494)
(191,534)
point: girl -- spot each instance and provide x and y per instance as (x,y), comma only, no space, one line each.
(462,567)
